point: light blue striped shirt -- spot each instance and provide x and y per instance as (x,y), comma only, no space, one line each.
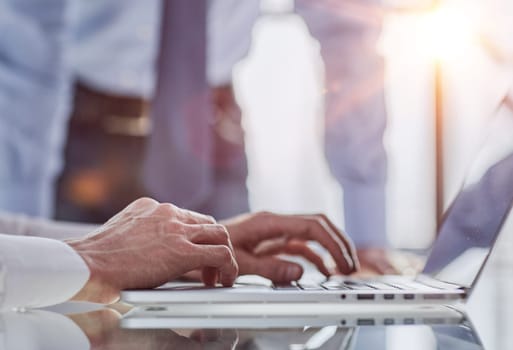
(34,88)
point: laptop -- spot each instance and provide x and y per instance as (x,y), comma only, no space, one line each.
(468,232)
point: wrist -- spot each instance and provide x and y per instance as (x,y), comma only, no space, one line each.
(98,288)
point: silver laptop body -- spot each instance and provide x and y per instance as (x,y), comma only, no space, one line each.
(465,239)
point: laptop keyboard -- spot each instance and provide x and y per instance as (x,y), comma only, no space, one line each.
(340,284)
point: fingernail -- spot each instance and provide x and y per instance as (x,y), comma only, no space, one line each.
(293,272)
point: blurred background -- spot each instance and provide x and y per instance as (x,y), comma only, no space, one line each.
(415,38)
(369,111)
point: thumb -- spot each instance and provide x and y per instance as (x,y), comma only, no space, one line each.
(277,270)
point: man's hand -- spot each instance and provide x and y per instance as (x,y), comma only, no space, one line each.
(259,238)
(148,244)
(375,261)
(380,261)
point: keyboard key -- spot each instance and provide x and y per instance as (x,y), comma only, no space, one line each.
(310,286)
(285,287)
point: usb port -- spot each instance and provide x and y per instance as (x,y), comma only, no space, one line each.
(365,322)
(365,296)
(433,320)
(433,296)
(388,296)
(388,321)
(409,296)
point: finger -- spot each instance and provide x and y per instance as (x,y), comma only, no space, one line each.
(277,270)
(343,237)
(307,228)
(376,260)
(221,258)
(387,269)
(294,247)
(227,340)
(209,234)
(270,247)
(382,267)
(183,215)
(209,276)
(171,340)
(349,251)
(195,275)
(205,335)
(302,249)
(192,217)
(213,339)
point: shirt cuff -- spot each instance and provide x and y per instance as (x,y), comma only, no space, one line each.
(38,272)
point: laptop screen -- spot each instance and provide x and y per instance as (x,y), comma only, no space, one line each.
(472,223)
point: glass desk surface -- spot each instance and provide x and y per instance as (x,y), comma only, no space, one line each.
(101,329)
(485,324)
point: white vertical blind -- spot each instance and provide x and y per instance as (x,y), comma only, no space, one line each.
(279,87)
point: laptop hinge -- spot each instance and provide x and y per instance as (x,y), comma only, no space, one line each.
(435,283)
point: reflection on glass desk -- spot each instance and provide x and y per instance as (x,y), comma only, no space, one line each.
(275,316)
(101,330)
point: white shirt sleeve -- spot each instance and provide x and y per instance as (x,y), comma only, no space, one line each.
(37,272)
(229,25)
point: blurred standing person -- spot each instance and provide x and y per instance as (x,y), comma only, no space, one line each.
(111,122)
(33,82)
(205,156)
(229,29)
(196,154)
(348,32)
(112,54)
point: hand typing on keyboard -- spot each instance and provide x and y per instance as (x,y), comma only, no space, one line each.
(258,240)
(380,261)
(376,261)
